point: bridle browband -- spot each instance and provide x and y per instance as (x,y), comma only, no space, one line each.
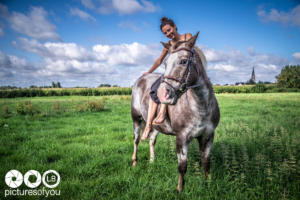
(183,87)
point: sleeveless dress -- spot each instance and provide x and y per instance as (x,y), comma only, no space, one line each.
(154,87)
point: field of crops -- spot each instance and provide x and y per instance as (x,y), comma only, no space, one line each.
(89,141)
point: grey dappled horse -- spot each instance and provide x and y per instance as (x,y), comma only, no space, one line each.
(192,111)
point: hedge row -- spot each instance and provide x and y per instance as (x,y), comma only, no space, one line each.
(258,88)
(64,92)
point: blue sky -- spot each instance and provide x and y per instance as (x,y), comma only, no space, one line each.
(89,42)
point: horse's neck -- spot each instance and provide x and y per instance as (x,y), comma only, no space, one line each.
(202,76)
(203,92)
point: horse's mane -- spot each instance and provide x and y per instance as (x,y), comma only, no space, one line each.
(201,56)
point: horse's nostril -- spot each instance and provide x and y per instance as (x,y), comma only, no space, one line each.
(168,91)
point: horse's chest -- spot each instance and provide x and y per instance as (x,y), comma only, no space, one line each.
(202,129)
(191,123)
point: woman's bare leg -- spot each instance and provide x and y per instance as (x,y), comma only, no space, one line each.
(161,115)
(151,112)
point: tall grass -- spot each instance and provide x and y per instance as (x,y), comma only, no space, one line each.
(256,151)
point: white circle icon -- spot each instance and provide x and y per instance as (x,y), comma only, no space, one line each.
(13,178)
(32,173)
(55,178)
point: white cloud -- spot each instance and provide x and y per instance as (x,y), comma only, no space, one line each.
(291,17)
(127,6)
(71,67)
(296,55)
(54,50)
(222,67)
(127,54)
(230,66)
(66,50)
(267,66)
(83,15)
(34,24)
(149,7)
(213,55)
(116,64)
(88,3)
(120,6)
(12,62)
(12,66)
(122,64)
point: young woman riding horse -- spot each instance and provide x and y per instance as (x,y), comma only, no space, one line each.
(169,29)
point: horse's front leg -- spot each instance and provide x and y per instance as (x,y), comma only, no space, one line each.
(182,151)
(152,144)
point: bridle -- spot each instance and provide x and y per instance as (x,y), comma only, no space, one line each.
(183,84)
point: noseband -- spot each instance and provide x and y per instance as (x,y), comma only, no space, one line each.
(183,86)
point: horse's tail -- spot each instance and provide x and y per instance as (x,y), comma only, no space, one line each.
(201,55)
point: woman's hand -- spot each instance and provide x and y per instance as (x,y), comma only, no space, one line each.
(146,73)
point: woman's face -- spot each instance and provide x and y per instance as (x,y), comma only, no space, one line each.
(169,31)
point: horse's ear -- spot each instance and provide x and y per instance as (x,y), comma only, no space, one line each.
(166,45)
(191,42)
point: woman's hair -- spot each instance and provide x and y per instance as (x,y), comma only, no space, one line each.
(164,21)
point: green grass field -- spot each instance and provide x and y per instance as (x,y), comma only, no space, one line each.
(89,141)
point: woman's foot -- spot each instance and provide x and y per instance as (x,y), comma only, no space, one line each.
(146,132)
(159,119)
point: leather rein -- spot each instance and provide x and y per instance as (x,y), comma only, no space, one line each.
(183,86)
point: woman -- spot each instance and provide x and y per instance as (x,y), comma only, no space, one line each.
(169,29)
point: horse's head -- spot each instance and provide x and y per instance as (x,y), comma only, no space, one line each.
(181,71)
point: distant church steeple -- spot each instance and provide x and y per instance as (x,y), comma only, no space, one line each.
(253,75)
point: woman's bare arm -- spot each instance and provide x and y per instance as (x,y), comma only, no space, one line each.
(158,61)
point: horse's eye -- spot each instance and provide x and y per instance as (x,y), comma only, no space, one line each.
(183,61)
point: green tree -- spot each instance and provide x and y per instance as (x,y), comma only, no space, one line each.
(289,77)
(250,82)
(104,85)
(53,84)
(58,84)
